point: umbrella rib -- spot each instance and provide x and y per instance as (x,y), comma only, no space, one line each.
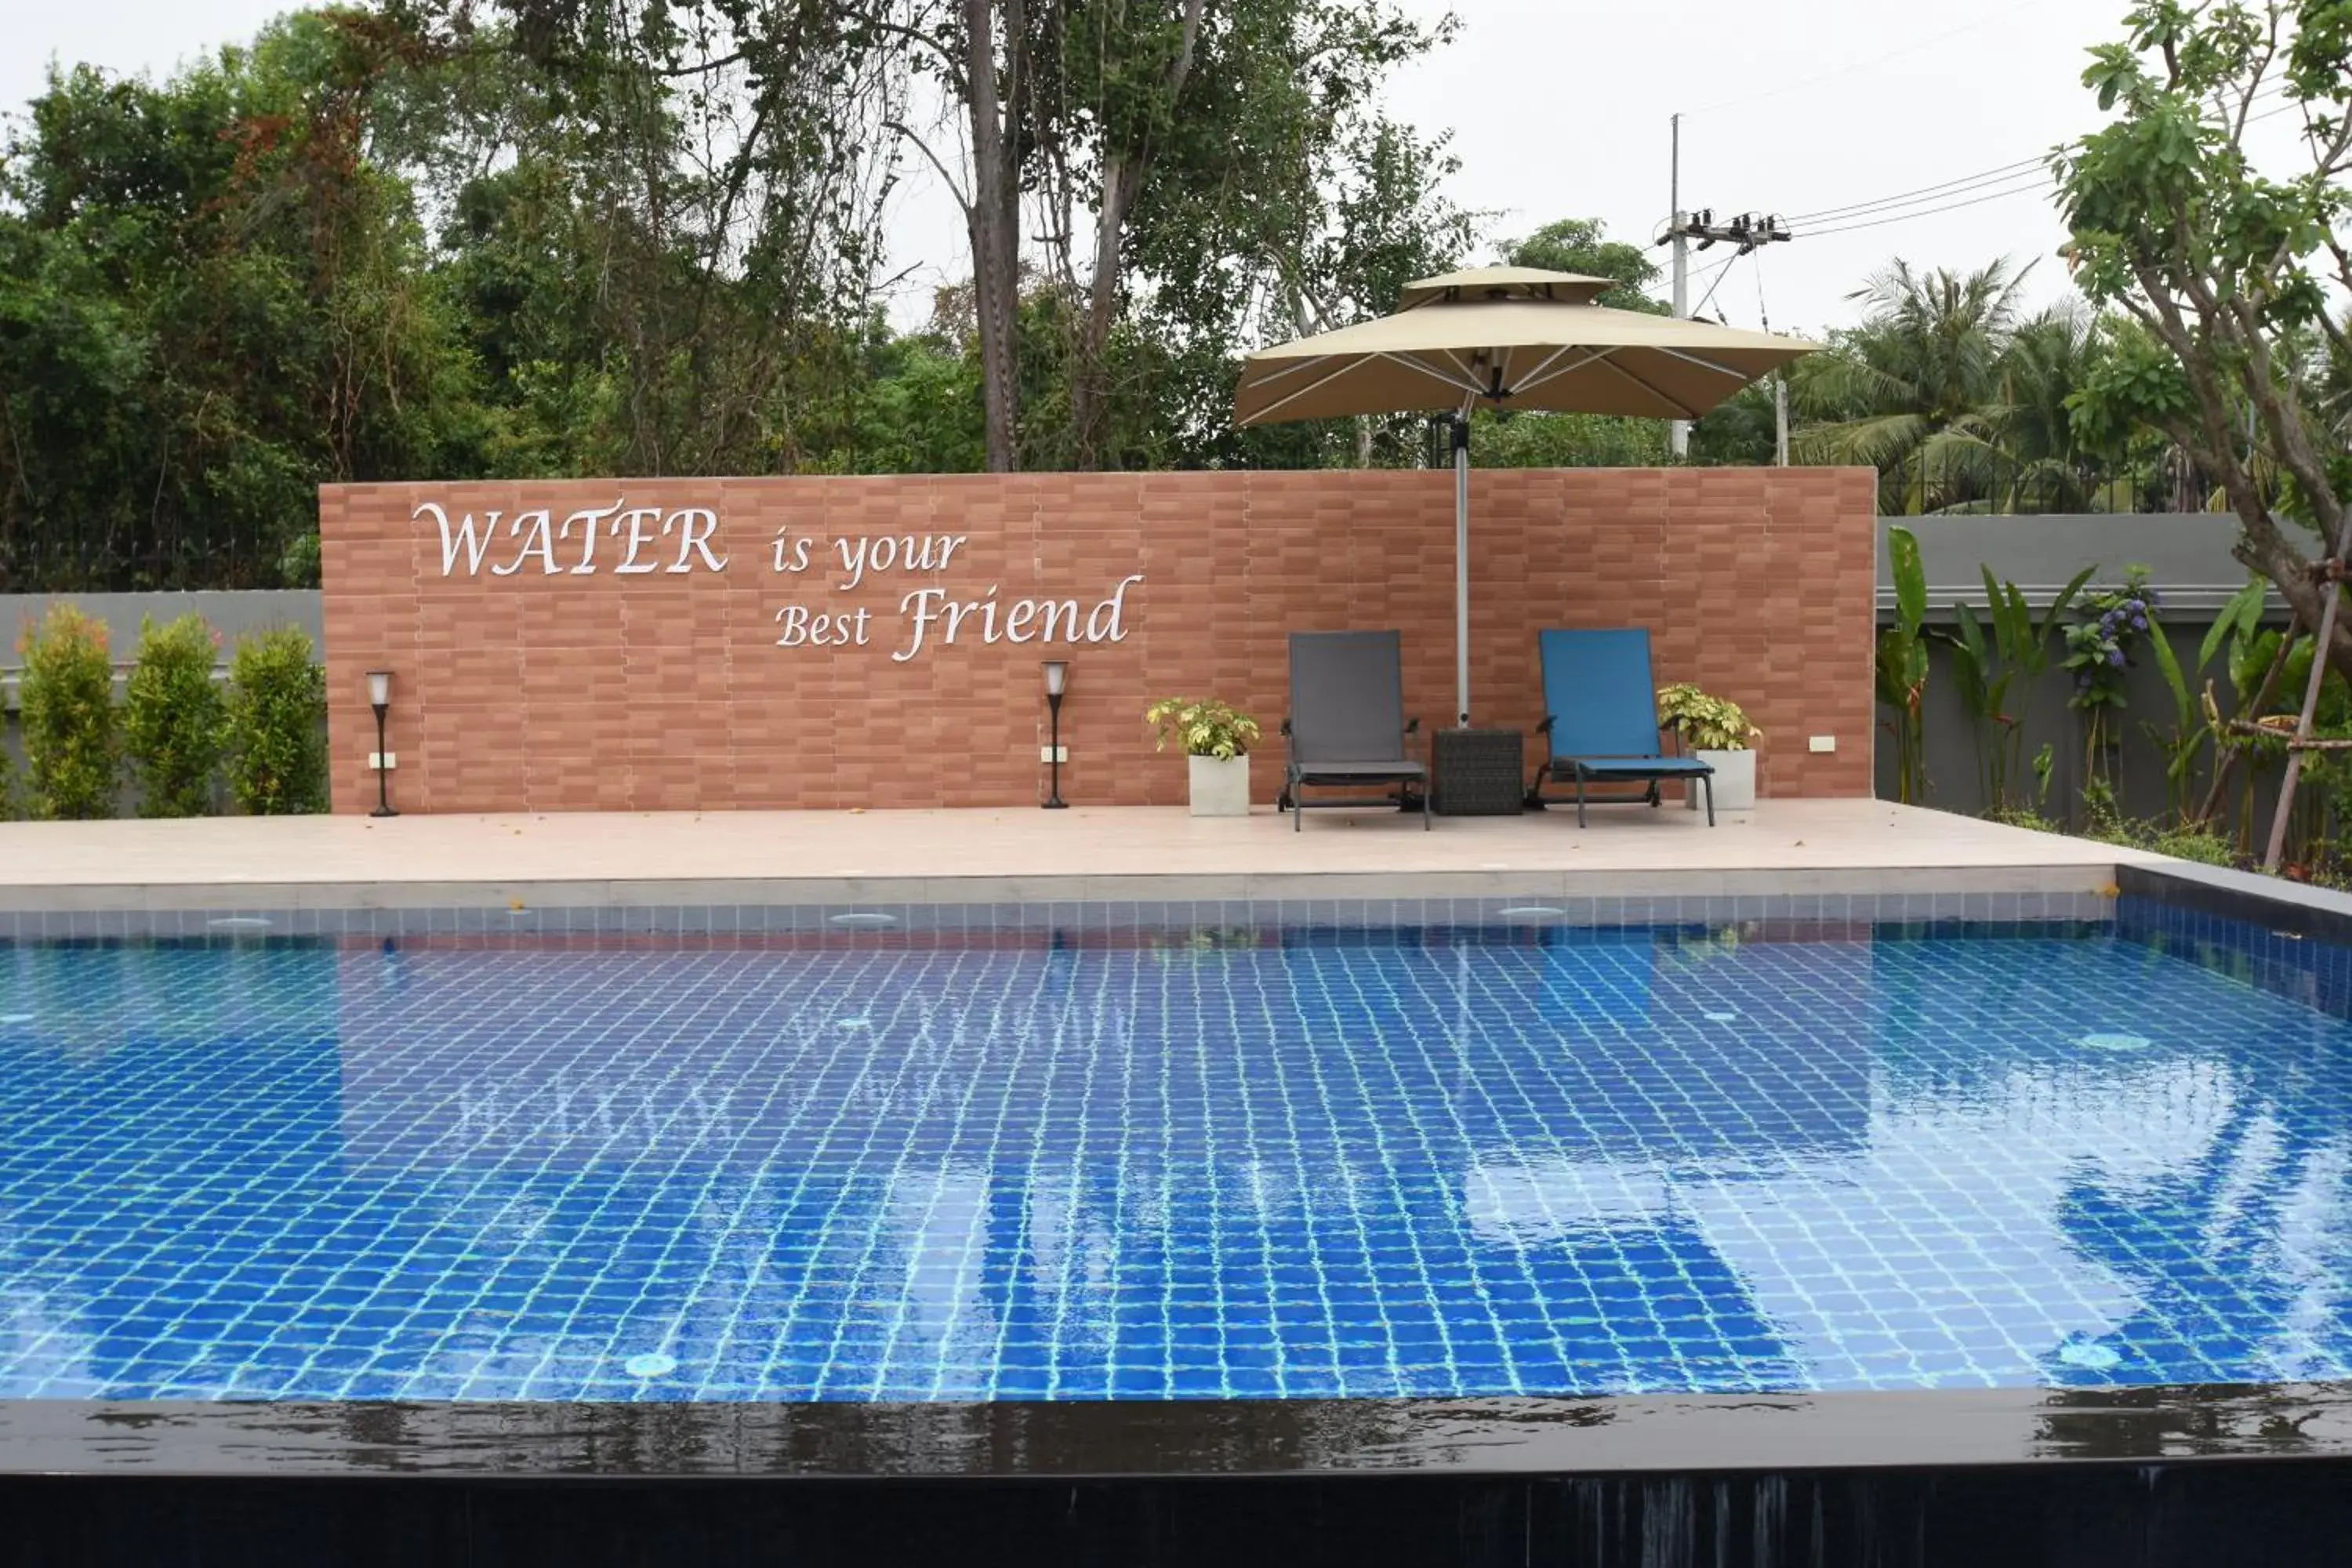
(1346,364)
(1293,368)
(1319,382)
(1537,377)
(1687,411)
(1705,364)
(1466,382)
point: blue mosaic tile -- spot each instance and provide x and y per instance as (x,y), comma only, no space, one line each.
(1239,1162)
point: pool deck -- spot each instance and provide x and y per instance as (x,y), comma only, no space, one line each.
(1826,848)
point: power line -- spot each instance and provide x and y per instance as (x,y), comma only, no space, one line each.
(1880,214)
(2031,187)
(1924,193)
(1986,177)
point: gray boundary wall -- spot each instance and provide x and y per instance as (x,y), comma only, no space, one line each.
(2189,566)
(233,615)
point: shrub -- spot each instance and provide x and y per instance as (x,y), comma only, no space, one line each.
(8,778)
(72,734)
(277,751)
(1204,729)
(1706,724)
(173,718)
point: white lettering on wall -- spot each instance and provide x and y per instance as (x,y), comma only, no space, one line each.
(903,552)
(792,554)
(638,537)
(588,517)
(934,615)
(467,538)
(935,620)
(539,542)
(699,523)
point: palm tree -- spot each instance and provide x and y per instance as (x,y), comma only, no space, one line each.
(1917,391)
(2047,361)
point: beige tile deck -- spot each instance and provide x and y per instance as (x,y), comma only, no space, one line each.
(1005,855)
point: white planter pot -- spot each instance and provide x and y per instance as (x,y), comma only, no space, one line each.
(1220,787)
(1735,781)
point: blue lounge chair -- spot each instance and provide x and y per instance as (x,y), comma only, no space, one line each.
(1601,711)
(1347,727)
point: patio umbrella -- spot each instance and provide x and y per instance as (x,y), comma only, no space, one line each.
(1504,337)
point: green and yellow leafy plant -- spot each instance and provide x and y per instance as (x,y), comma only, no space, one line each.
(175,721)
(72,735)
(1705,723)
(1987,668)
(1206,728)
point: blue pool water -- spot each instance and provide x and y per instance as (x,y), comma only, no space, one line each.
(1536,1163)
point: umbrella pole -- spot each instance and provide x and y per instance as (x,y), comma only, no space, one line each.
(1462,570)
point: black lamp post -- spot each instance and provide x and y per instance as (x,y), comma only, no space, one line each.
(380,698)
(1058,681)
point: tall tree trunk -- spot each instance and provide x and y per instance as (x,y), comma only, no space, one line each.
(1122,181)
(994,219)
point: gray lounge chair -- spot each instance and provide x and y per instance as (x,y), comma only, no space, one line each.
(1347,726)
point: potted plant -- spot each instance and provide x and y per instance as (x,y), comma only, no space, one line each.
(1217,740)
(1717,732)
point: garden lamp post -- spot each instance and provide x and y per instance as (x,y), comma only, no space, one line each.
(380,698)
(1058,681)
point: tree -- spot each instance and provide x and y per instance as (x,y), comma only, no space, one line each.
(1292,205)
(1582,245)
(211,302)
(1915,391)
(2224,267)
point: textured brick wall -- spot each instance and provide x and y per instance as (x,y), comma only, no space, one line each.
(667,690)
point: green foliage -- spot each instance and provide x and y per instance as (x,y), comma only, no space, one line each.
(1901,670)
(298,565)
(276,708)
(1205,728)
(66,707)
(1954,396)
(1986,669)
(2195,844)
(2226,259)
(174,719)
(1582,245)
(212,299)
(2195,718)
(2099,646)
(1705,723)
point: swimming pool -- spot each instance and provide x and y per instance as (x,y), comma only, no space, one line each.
(1232,1165)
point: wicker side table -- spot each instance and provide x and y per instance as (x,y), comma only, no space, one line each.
(1477,773)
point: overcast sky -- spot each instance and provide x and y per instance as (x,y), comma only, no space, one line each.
(1560,108)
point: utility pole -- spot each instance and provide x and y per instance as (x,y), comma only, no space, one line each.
(1747,231)
(1678,433)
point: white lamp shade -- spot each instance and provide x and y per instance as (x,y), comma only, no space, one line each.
(379,688)
(1057,677)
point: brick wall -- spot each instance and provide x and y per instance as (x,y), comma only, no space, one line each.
(521,688)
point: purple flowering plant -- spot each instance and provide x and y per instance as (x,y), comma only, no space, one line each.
(2111,625)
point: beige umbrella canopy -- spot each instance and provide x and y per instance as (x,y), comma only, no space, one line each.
(1508,338)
